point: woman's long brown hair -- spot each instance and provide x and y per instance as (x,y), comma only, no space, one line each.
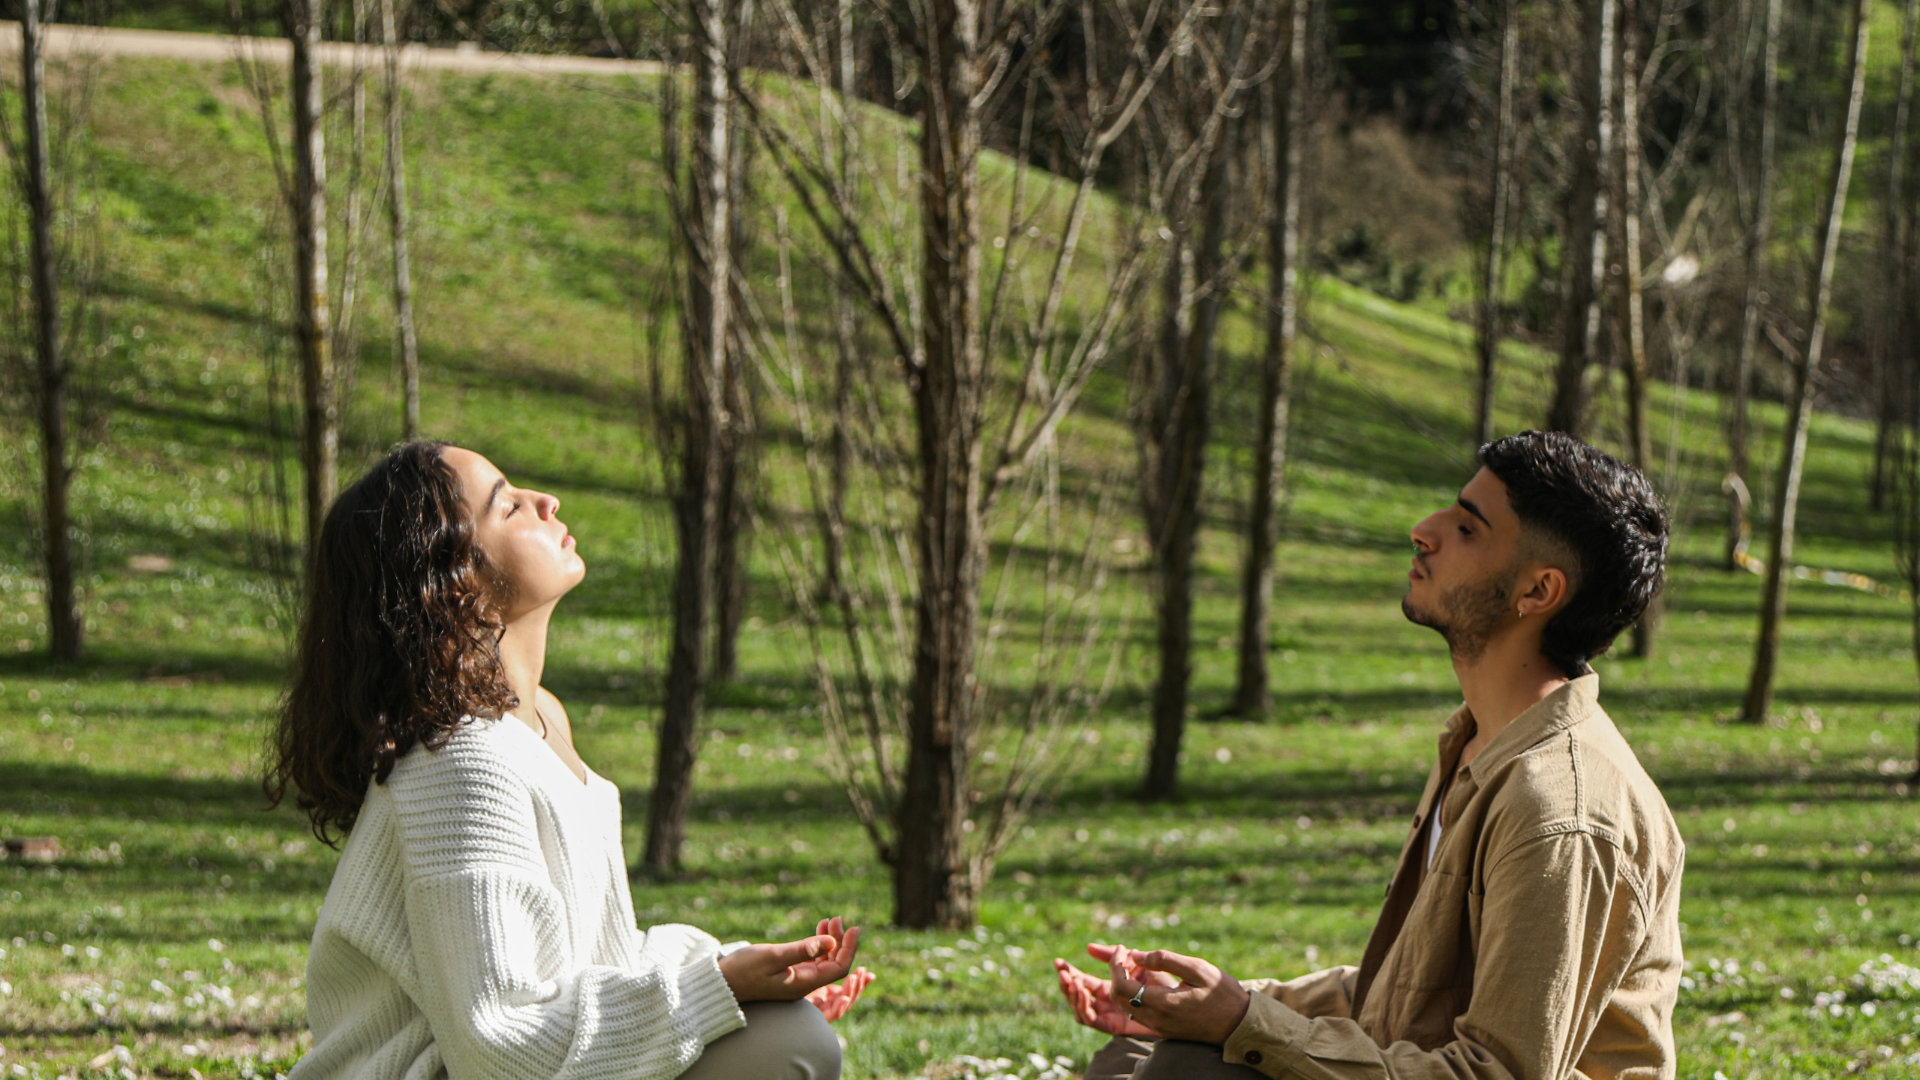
(398,644)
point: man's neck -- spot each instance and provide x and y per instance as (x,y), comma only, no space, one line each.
(1500,684)
(523,660)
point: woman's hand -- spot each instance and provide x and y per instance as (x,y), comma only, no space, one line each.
(1091,998)
(791,970)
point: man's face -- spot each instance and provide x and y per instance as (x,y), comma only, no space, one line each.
(1465,566)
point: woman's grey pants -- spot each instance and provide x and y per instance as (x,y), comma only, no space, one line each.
(783,1040)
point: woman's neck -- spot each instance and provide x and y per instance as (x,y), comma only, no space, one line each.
(523,659)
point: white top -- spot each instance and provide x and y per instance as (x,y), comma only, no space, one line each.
(480,925)
(1433,834)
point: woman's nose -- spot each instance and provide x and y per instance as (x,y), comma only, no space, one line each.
(548,505)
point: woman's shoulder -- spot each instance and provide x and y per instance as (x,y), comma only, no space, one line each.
(470,783)
(466,807)
(475,748)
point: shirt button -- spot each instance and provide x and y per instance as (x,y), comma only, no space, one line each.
(1253,1057)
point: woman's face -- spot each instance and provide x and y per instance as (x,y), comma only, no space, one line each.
(527,546)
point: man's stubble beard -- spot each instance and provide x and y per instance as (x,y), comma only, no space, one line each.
(1468,614)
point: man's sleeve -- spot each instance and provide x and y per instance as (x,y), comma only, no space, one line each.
(1557,932)
(1323,993)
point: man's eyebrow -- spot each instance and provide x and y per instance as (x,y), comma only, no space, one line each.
(502,482)
(1467,504)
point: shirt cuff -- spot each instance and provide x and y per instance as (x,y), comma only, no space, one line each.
(1266,1037)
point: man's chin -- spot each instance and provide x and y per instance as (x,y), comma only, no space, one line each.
(1415,615)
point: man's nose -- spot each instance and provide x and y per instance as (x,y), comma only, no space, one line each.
(1419,535)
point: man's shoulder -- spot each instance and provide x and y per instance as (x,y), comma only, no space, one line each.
(1586,780)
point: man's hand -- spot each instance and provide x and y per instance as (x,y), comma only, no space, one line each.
(834,999)
(1092,999)
(791,970)
(1205,1006)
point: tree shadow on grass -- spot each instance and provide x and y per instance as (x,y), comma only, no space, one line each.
(59,790)
(157,669)
(1747,784)
(192,1026)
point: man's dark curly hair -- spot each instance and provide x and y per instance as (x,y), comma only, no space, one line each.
(398,644)
(1604,517)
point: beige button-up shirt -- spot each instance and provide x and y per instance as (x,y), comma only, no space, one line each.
(1543,943)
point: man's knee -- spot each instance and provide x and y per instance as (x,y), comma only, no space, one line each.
(1176,1059)
(783,1040)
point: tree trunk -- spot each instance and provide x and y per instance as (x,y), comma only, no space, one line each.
(320,435)
(1499,207)
(397,217)
(344,339)
(933,881)
(1632,310)
(64,624)
(733,540)
(845,342)
(1182,414)
(706,226)
(1914,624)
(1586,214)
(1888,342)
(1756,260)
(1806,367)
(1287,115)
(1171,490)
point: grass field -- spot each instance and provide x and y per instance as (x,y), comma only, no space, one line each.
(175,924)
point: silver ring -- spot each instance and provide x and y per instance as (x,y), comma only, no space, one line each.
(1139,997)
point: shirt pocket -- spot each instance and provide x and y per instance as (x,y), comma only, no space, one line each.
(1435,947)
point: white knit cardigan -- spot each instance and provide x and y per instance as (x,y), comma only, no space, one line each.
(479,926)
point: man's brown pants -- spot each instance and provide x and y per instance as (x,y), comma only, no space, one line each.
(1130,1058)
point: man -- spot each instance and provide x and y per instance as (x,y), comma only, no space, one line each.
(1532,925)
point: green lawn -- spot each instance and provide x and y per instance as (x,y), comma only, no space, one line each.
(175,923)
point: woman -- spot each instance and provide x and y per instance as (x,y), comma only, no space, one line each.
(479,923)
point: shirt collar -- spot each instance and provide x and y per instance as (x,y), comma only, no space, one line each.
(1568,705)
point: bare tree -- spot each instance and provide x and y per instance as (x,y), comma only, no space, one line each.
(926,285)
(1174,379)
(738,467)
(704,220)
(845,318)
(404,339)
(1631,320)
(1284,144)
(1805,370)
(1903,471)
(1500,201)
(51,371)
(1886,341)
(313,329)
(1583,260)
(1758,233)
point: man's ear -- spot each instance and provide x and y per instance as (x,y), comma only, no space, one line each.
(1545,591)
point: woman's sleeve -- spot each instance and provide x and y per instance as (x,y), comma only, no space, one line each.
(502,989)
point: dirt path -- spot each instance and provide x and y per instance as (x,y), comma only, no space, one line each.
(66,40)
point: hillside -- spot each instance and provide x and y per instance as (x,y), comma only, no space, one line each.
(541,253)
